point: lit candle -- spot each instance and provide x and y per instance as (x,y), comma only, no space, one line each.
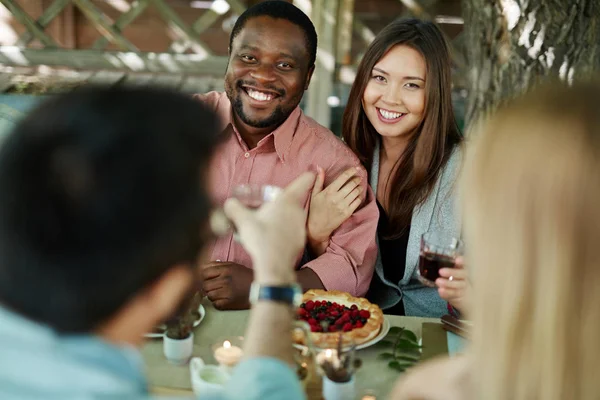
(228,354)
(330,356)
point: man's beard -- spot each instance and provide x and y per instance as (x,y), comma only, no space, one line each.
(277,117)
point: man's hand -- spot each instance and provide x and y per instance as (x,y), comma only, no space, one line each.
(227,285)
(275,234)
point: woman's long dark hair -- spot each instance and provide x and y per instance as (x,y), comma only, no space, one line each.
(436,136)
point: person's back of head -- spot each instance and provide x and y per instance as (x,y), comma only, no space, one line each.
(102,192)
(278,9)
(532,226)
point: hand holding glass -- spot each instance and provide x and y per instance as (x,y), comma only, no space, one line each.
(438,250)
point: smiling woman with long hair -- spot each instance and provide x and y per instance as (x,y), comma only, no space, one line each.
(400,122)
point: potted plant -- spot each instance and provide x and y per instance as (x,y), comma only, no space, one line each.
(178,340)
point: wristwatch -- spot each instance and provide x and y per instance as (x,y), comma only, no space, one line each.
(289,294)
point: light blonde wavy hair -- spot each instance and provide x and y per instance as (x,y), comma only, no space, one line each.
(531,198)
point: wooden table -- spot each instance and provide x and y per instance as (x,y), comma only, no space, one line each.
(165,378)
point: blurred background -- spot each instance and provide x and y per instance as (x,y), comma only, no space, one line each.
(500,47)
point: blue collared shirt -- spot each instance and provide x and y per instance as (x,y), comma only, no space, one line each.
(37,363)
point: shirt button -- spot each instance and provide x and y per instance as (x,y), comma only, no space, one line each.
(247,155)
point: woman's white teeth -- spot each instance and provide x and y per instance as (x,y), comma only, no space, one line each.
(389,115)
(260,96)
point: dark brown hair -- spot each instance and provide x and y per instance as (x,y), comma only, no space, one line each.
(436,136)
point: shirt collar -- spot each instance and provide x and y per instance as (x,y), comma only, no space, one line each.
(281,138)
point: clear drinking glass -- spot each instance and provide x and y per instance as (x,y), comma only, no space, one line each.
(253,196)
(438,250)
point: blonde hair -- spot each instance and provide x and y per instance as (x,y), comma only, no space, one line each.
(531,198)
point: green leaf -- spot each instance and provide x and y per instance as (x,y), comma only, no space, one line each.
(399,366)
(384,343)
(396,365)
(394,330)
(408,357)
(410,335)
(405,344)
(386,356)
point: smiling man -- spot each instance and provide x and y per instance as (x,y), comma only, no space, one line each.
(268,140)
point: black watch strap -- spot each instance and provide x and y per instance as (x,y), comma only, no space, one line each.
(277,293)
(289,295)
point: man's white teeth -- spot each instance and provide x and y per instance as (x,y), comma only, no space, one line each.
(260,96)
(389,115)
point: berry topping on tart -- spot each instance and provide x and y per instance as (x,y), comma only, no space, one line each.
(331,314)
(327,316)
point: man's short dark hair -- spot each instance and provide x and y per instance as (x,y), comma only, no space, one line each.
(278,9)
(102,192)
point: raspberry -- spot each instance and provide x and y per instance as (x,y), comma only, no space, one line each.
(332,328)
(364,314)
(345,316)
(321,316)
(334,314)
(309,305)
(358,325)
(313,328)
(318,329)
(347,327)
(354,314)
(312,321)
(354,307)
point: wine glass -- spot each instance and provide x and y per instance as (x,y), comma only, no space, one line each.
(255,195)
(438,250)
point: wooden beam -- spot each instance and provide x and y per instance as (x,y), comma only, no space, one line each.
(420,9)
(363,31)
(181,28)
(32,26)
(100,21)
(324,15)
(344,32)
(44,20)
(168,81)
(137,7)
(107,78)
(114,60)
(208,18)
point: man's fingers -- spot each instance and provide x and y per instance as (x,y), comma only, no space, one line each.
(221,304)
(296,190)
(318,186)
(218,294)
(236,211)
(212,272)
(214,284)
(342,179)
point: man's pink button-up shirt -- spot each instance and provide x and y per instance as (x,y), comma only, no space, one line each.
(300,144)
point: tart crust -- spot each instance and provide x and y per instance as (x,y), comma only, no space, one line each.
(357,335)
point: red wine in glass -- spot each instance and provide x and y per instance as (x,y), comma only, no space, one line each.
(430,264)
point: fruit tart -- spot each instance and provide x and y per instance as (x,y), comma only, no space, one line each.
(331,313)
